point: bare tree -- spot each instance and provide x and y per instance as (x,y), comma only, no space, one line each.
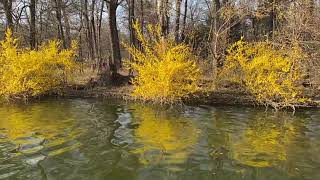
(163,14)
(33,24)
(132,19)
(99,43)
(66,25)
(184,22)
(58,9)
(177,25)
(142,14)
(7,4)
(114,36)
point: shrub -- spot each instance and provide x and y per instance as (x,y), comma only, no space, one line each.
(166,70)
(271,74)
(25,73)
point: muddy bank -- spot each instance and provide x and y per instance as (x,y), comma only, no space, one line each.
(218,97)
(119,92)
(223,97)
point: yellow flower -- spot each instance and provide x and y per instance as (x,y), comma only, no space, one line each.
(166,70)
(267,72)
(25,72)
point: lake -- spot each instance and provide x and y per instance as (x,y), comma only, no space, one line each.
(117,140)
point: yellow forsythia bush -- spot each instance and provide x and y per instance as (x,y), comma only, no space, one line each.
(271,74)
(166,70)
(25,73)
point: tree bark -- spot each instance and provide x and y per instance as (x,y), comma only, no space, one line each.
(99,36)
(215,39)
(58,7)
(80,48)
(266,25)
(141,14)
(115,65)
(184,22)
(33,24)
(141,22)
(66,25)
(177,25)
(88,31)
(94,32)
(163,13)
(7,4)
(132,20)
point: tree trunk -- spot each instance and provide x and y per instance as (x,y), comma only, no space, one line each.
(41,31)
(215,39)
(177,26)
(163,13)
(94,33)
(88,32)
(142,14)
(33,24)
(266,25)
(58,4)
(115,65)
(141,22)
(66,25)
(132,19)
(184,22)
(99,37)
(217,5)
(7,4)
(80,51)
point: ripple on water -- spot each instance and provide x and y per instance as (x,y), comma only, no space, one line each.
(18,155)
(9,174)
(63,141)
(123,135)
(34,160)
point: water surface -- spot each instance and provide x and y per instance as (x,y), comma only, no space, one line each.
(92,139)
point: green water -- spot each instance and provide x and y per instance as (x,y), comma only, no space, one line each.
(92,139)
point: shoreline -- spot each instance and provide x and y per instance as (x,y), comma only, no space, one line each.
(218,97)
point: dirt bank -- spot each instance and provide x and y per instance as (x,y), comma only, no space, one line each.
(218,97)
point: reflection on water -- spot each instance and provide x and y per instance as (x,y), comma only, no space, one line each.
(91,139)
(163,138)
(264,142)
(34,133)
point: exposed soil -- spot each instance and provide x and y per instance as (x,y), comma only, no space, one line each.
(218,97)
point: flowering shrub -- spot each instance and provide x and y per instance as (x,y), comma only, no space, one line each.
(166,70)
(26,73)
(270,74)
